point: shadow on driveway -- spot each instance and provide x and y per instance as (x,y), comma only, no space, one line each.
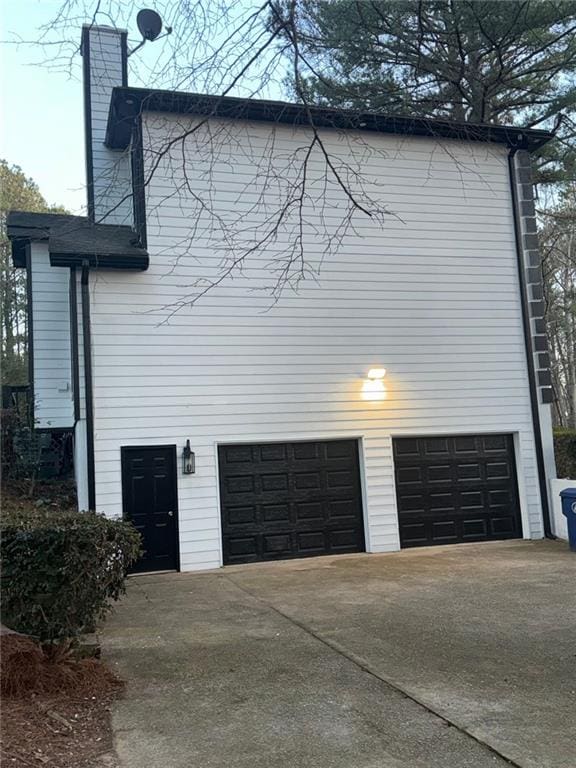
(458,656)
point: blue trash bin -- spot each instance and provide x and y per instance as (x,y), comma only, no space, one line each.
(568,496)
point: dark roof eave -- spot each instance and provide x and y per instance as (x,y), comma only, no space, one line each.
(73,240)
(128,103)
(100,261)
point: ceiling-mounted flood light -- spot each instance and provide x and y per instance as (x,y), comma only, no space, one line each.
(150,25)
(373,387)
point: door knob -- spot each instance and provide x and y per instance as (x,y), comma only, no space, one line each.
(171,512)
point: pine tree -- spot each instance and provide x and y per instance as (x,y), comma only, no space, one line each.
(478,61)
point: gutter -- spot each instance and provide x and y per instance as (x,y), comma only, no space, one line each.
(532,378)
(73,300)
(128,104)
(88,397)
(30,331)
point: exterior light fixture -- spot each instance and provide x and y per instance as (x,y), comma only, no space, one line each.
(373,387)
(188,460)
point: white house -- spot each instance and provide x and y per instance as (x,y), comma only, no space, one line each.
(296,449)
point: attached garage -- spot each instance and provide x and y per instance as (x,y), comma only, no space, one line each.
(456,489)
(287,500)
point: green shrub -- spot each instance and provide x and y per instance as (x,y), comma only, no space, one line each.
(61,569)
(565,452)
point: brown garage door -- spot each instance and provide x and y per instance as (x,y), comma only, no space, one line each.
(456,489)
(285,500)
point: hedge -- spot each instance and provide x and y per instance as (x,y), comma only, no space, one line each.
(565,452)
(60,570)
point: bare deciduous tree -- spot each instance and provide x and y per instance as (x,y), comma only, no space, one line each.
(465,59)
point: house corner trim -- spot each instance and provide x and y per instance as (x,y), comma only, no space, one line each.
(530,278)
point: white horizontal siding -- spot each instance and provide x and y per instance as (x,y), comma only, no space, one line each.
(432,296)
(52,366)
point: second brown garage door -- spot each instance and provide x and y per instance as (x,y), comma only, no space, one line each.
(286,500)
(456,489)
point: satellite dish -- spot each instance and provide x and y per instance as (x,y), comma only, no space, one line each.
(149,23)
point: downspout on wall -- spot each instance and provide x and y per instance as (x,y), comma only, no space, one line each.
(88,395)
(533,307)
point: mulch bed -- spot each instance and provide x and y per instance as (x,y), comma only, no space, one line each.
(54,713)
(59,732)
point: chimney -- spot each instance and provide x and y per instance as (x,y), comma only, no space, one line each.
(108,176)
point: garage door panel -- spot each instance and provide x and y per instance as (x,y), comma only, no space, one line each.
(239,454)
(272,452)
(472,500)
(444,531)
(277,544)
(304,451)
(309,511)
(465,445)
(340,479)
(435,446)
(502,526)
(407,446)
(274,482)
(407,475)
(311,543)
(474,528)
(492,443)
(469,471)
(303,499)
(242,549)
(275,513)
(414,533)
(241,515)
(411,503)
(471,495)
(346,508)
(240,484)
(307,481)
(344,540)
(497,470)
(440,473)
(499,498)
(341,449)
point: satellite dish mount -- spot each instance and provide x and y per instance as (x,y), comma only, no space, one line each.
(150,26)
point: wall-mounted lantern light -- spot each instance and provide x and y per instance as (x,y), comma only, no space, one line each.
(188,460)
(373,387)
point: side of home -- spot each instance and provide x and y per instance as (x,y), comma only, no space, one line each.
(295,452)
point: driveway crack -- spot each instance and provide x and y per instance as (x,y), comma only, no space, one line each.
(365,667)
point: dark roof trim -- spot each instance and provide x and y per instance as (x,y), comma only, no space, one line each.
(99,261)
(128,103)
(74,240)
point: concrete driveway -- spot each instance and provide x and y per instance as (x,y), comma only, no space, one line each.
(457,656)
